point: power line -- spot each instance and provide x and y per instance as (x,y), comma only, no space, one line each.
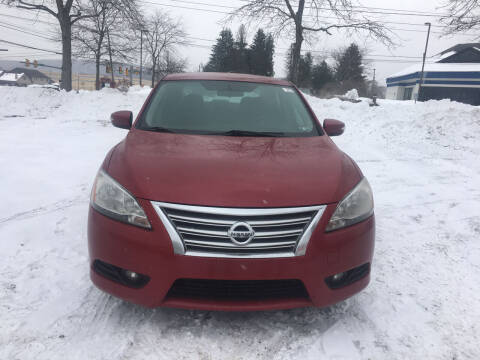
(399,11)
(29,19)
(386,11)
(224,12)
(229,13)
(16,28)
(368,11)
(316,51)
(23,55)
(185,7)
(29,47)
(312,51)
(211,40)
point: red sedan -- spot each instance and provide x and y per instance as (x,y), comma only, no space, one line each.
(228,194)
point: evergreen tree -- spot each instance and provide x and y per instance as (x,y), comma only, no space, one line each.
(222,57)
(349,69)
(261,54)
(322,74)
(305,71)
(289,63)
(269,50)
(240,56)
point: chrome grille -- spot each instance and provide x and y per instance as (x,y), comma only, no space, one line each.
(202,231)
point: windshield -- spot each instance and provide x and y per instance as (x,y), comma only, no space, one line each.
(228,108)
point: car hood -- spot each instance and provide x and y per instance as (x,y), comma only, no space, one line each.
(232,171)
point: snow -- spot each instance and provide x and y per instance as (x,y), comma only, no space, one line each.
(423,301)
(438,67)
(10,76)
(352,94)
(444,55)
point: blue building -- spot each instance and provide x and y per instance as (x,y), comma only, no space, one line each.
(453,74)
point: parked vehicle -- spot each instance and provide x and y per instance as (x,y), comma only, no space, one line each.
(228,194)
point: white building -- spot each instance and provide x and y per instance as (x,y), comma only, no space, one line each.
(453,74)
(12,79)
(24,77)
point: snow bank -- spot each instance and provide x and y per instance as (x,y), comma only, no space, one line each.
(352,94)
(423,302)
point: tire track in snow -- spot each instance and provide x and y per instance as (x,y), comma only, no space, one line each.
(43,210)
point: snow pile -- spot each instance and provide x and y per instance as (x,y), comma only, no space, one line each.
(352,94)
(423,302)
(436,127)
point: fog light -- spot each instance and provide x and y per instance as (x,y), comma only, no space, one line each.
(123,276)
(338,277)
(131,275)
(345,278)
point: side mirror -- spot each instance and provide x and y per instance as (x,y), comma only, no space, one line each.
(122,119)
(333,127)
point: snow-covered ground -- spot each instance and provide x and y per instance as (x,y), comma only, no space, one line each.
(423,162)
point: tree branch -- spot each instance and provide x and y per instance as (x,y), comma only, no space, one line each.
(463,15)
(290,9)
(30,6)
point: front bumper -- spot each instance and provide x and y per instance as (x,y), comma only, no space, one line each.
(150,252)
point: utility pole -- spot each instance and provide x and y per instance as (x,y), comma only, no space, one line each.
(373,82)
(141,55)
(423,64)
(110,55)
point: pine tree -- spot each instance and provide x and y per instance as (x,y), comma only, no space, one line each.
(349,68)
(289,63)
(222,57)
(240,56)
(322,74)
(261,54)
(305,71)
(269,51)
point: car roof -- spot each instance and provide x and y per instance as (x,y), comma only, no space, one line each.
(227,77)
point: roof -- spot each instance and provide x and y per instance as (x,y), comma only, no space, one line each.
(438,67)
(460,47)
(8,76)
(31,73)
(227,77)
(439,63)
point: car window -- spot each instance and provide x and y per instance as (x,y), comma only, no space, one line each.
(228,108)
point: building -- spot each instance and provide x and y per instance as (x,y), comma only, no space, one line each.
(453,74)
(33,76)
(12,79)
(24,77)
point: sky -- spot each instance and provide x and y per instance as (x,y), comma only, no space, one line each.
(204,19)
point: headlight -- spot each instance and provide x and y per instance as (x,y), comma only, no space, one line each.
(356,206)
(112,200)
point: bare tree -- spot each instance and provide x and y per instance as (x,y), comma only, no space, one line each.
(307,17)
(163,35)
(67,12)
(463,15)
(170,64)
(107,32)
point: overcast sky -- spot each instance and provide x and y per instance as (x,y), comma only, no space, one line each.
(206,25)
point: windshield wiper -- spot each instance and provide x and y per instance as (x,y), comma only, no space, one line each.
(159,129)
(250,133)
(224,133)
